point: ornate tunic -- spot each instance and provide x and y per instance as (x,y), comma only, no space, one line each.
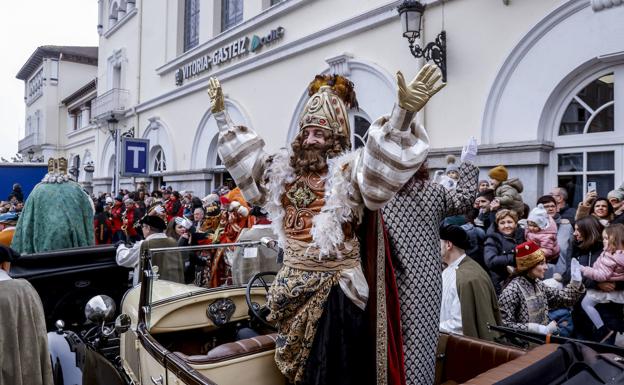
(314,216)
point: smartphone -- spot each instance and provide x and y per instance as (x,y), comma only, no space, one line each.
(591,186)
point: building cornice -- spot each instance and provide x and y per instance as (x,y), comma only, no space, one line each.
(119,24)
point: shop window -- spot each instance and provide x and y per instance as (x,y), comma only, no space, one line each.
(191,24)
(231,13)
(591,109)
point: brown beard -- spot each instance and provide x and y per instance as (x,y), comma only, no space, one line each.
(312,158)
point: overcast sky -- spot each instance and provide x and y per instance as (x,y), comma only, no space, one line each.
(25,25)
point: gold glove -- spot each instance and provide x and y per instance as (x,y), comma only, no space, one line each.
(414,96)
(216,95)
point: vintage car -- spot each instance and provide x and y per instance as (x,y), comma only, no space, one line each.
(175,333)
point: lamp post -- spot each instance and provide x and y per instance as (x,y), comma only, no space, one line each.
(113,128)
(411,12)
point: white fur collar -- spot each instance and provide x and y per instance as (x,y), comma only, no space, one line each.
(342,200)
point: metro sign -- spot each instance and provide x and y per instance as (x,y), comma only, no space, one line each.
(134,156)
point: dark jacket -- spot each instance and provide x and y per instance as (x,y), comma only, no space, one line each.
(568,213)
(477,238)
(499,252)
(611,313)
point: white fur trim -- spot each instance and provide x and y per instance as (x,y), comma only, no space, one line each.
(277,175)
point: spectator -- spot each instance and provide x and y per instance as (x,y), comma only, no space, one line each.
(7,228)
(198,217)
(117,220)
(170,264)
(525,300)
(564,235)
(587,247)
(596,206)
(542,230)
(483,185)
(469,301)
(173,206)
(102,226)
(616,198)
(608,267)
(561,197)
(17,193)
(130,220)
(25,356)
(506,191)
(500,244)
(486,215)
(476,235)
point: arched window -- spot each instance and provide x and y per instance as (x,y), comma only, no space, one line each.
(359,122)
(588,149)
(159,163)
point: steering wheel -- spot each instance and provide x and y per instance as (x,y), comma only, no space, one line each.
(255,310)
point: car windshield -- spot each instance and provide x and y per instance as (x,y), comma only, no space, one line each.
(180,272)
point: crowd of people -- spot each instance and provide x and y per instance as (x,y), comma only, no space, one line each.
(554,268)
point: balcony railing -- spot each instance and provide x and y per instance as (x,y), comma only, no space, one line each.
(110,105)
(28,141)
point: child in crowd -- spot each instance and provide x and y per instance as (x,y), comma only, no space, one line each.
(608,267)
(542,230)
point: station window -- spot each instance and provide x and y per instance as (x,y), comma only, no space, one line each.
(160,164)
(586,150)
(231,13)
(191,24)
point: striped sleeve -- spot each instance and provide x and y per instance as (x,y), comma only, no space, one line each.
(241,151)
(395,149)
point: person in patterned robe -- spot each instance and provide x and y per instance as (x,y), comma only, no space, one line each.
(315,195)
(413,219)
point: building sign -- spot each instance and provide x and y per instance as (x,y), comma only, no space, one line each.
(134,157)
(224,54)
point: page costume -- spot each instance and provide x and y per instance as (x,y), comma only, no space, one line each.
(319,295)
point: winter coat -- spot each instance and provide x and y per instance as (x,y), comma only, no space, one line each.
(499,252)
(608,267)
(477,238)
(508,194)
(546,239)
(565,240)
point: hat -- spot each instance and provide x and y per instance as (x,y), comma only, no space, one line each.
(153,221)
(618,193)
(450,164)
(330,97)
(109,200)
(183,222)
(539,216)
(211,198)
(119,198)
(258,211)
(456,235)
(499,173)
(528,255)
(213,210)
(224,201)
(129,201)
(9,217)
(7,254)
(487,194)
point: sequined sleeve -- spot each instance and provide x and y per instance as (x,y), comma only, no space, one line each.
(242,153)
(511,307)
(395,149)
(565,297)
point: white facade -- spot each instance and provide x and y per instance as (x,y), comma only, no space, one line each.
(513,72)
(57,121)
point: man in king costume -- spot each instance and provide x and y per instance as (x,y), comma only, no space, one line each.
(316,195)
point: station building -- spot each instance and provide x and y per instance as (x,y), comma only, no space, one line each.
(537,82)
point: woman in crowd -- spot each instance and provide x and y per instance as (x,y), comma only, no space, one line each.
(596,206)
(587,248)
(500,243)
(525,300)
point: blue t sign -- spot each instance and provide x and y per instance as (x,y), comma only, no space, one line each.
(134,157)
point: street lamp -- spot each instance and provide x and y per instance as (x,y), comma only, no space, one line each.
(30,153)
(89,168)
(411,12)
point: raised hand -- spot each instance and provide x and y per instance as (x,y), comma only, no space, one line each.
(216,95)
(469,152)
(414,96)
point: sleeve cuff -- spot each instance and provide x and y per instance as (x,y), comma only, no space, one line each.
(400,118)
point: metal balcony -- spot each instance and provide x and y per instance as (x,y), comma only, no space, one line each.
(110,105)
